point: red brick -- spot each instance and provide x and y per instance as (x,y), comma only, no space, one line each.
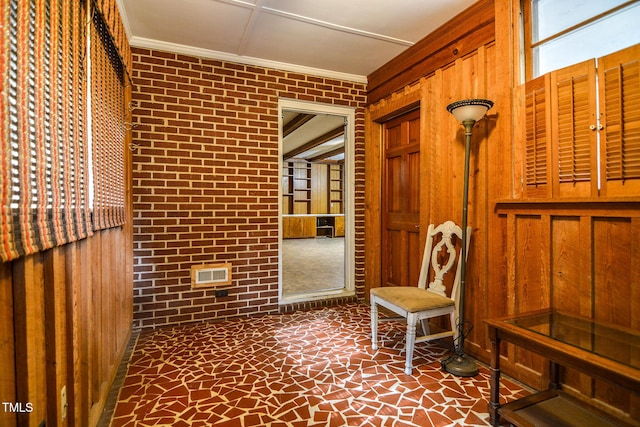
(206,181)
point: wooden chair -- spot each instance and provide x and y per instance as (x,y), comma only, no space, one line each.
(421,303)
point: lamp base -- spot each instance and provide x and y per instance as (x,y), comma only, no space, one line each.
(461,366)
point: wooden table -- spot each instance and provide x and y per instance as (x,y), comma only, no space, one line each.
(605,352)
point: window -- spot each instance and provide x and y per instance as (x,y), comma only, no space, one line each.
(42,187)
(559,33)
(108,127)
(45,175)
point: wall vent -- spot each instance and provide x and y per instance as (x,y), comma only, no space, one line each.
(210,275)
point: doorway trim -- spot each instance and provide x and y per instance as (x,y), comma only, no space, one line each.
(349,197)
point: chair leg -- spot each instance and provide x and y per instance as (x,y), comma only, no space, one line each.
(410,342)
(374,324)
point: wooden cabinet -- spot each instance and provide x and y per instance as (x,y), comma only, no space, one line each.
(306,226)
(297,227)
(339,224)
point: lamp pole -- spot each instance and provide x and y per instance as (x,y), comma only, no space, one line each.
(468,124)
(461,365)
(468,112)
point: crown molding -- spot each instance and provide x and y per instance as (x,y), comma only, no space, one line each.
(248,60)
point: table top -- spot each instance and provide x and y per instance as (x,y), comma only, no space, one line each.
(618,344)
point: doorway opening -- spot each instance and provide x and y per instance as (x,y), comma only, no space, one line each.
(316,223)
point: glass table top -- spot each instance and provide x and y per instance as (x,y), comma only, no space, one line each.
(619,344)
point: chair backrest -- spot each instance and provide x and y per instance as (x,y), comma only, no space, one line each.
(443,250)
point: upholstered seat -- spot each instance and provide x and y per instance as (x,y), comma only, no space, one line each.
(419,303)
(412,299)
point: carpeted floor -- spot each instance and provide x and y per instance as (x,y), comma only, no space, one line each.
(313,368)
(312,265)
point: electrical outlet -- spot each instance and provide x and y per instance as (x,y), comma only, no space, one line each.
(63,403)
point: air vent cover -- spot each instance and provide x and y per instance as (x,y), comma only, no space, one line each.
(210,275)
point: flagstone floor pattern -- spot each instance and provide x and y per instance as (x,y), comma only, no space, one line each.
(312,368)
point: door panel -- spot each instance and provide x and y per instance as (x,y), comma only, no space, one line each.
(401,201)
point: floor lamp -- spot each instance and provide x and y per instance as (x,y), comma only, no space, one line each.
(468,112)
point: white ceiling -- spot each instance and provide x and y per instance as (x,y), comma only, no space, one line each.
(346,39)
(315,129)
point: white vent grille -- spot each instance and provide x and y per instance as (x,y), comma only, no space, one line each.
(210,275)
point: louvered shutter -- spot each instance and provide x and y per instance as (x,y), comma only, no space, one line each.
(536,163)
(574,151)
(620,105)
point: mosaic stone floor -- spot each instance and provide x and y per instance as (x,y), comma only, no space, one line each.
(313,368)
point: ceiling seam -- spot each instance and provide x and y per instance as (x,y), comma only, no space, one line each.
(337,27)
(248,29)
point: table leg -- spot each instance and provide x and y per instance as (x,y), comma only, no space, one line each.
(494,403)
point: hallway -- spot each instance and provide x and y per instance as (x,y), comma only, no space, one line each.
(313,368)
(312,265)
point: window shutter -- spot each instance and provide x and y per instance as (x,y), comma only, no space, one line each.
(561,149)
(620,94)
(536,138)
(573,111)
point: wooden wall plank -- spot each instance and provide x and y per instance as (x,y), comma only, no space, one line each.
(30,342)
(85,314)
(634,274)
(7,347)
(74,326)
(498,166)
(530,292)
(56,333)
(571,279)
(613,288)
(94,328)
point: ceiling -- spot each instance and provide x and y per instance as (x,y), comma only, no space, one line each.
(312,137)
(343,39)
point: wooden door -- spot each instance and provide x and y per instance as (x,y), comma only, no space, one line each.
(401,251)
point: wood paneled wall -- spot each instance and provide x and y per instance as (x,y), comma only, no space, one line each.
(579,255)
(455,39)
(442,164)
(66,316)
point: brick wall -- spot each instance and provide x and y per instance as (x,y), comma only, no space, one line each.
(205,181)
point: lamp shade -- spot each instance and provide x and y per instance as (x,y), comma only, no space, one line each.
(469,109)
